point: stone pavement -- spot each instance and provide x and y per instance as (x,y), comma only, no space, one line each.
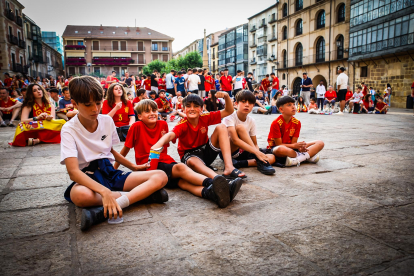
(350,214)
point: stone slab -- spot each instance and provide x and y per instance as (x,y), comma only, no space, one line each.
(41,181)
(55,152)
(35,198)
(33,222)
(7,172)
(43,160)
(11,155)
(338,249)
(42,169)
(403,268)
(10,163)
(3,184)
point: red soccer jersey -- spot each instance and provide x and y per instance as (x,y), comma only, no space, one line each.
(265,83)
(103,83)
(280,129)
(110,78)
(330,95)
(7,82)
(244,82)
(226,83)
(380,105)
(366,103)
(275,83)
(192,137)
(9,102)
(147,84)
(142,138)
(37,109)
(136,100)
(348,95)
(162,103)
(121,117)
(162,84)
(138,84)
(209,86)
(364,90)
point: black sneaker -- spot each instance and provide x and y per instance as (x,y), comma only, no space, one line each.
(159,196)
(265,168)
(235,186)
(219,191)
(92,216)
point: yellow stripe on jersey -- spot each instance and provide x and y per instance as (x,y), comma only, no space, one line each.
(182,121)
(205,114)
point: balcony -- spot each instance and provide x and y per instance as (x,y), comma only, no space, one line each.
(73,61)
(263,25)
(13,39)
(262,40)
(272,19)
(112,61)
(252,45)
(253,29)
(37,58)
(22,44)
(19,21)
(272,39)
(221,62)
(230,60)
(29,35)
(17,67)
(159,49)
(75,47)
(339,54)
(253,61)
(9,14)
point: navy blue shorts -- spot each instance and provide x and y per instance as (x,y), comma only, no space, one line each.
(103,172)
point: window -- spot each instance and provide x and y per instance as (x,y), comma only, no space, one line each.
(165,58)
(320,50)
(341,13)
(154,57)
(299,5)
(80,42)
(284,54)
(254,39)
(320,22)
(141,59)
(123,70)
(284,10)
(82,71)
(364,71)
(299,55)
(141,46)
(283,76)
(299,27)
(76,32)
(95,45)
(273,31)
(340,45)
(88,33)
(71,70)
(154,46)
(165,46)
(123,45)
(284,32)
(115,45)
(273,69)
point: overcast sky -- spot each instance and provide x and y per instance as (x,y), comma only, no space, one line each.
(183,20)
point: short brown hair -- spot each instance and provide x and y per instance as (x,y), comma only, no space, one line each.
(82,88)
(146,106)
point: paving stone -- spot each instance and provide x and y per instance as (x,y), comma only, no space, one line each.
(41,181)
(43,160)
(403,268)
(3,184)
(7,172)
(42,169)
(42,153)
(388,225)
(46,255)
(10,163)
(33,222)
(408,209)
(338,249)
(12,155)
(33,198)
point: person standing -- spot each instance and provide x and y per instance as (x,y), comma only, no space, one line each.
(249,81)
(364,88)
(162,84)
(129,84)
(217,82)
(238,82)
(275,84)
(170,79)
(226,82)
(193,81)
(154,80)
(209,84)
(201,86)
(305,87)
(342,84)
(109,80)
(320,94)
(179,84)
(265,85)
(387,94)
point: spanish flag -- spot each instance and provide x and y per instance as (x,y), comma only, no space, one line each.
(45,131)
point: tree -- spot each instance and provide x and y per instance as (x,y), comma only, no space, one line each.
(155,64)
(190,60)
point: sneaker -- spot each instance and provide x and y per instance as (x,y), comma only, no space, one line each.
(290,162)
(265,168)
(3,124)
(159,196)
(370,112)
(10,124)
(92,216)
(235,186)
(339,113)
(314,159)
(219,191)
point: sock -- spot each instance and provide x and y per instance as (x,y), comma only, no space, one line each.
(123,193)
(300,156)
(207,182)
(204,193)
(242,164)
(123,201)
(307,156)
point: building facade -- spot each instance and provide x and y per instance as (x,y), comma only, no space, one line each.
(382,46)
(263,42)
(12,42)
(34,48)
(313,38)
(193,46)
(233,49)
(52,62)
(99,50)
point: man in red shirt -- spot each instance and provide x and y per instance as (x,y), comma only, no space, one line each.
(265,84)
(364,88)
(283,137)
(275,85)
(7,80)
(209,82)
(164,105)
(147,85)
(226,82)
(9,108)
(330,97)
(111,79)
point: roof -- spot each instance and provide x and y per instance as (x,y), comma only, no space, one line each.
(108,32)
(272,6)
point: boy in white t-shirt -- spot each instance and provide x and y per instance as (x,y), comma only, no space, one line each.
(87,151)
(242,132)
(237,83)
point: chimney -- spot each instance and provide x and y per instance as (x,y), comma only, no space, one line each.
(128,30)
(101,28)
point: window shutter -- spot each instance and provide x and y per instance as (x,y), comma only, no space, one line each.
(115,45)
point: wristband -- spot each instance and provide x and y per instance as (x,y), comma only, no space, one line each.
(34,118)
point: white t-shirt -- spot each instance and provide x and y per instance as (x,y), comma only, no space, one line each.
(77,142)
(233,121)
(193,81)
(285,92)
(358,97)
(239,82)
(320,91)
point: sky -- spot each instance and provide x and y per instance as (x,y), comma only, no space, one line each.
(185,21)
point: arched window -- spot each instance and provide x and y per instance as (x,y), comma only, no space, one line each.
(298,5)
(340,45)
(299,55)
(341,13)
(320,50)
(299,27)
(320,22)
(284,33)
(284,10)
(283,76)
(284,59)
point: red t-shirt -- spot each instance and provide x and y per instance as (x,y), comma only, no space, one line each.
(67,83)
(280,129)
(265,83)
(142,138)
(162,84)
(147,84)
(380,105)
(7,82)
(138,84)
(192,137)
(162,103)
(275,83)
(9,102)
(103,82)
(348,95)
(364,90)
(330,95)
(110,78)
(209,86)
(244,83)
(226,83)
(366,103)
(121,117)
(136,100)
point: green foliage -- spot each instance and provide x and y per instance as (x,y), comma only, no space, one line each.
(191,60)
(155,64)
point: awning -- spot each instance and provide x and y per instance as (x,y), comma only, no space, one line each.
(120,54)
(75,54)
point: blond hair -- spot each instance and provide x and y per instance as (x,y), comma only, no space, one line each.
(146,105)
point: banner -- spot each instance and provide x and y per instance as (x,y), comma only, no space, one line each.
(46,131)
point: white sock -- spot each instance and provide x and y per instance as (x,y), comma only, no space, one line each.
(300,157)
(124,193)
(123,201)
(307,155)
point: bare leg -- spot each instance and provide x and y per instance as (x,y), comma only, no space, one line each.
(315,148)
(282,151)
(142,184)
(187,174)
(198,166)
(84,197)
(342,105)
(15,113)
(186,186)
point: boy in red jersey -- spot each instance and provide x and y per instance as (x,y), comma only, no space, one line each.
(164,104)
(284,134)
(140,96)
(381,107)
(147,132)
(147,84)
(265,84)
(9,108)
(226,82)
(195,148)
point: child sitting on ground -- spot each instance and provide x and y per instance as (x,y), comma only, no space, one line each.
(301,105)
(86,150)
(381,107)
(368,104)
(283,138)
(146,133)
(164,105)
(356,100)
(313,107)
(260,105)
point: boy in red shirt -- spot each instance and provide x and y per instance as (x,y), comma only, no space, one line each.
(9,108)
(147,84)
(330,97)
(7,80)
(283,137)
(226,82)
(196,149)
(164,105)
(265,84)
(209,82)
(140,96)
(381,107)
(145,133)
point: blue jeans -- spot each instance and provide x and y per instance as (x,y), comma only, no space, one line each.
(274,91)
(229,93)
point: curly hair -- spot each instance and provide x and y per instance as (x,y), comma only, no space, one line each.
(29,100)
(110,95)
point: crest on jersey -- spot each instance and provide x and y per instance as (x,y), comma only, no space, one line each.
(203,130)
(292,131)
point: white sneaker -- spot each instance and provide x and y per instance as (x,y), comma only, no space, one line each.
(339,113)
(314,159)
(3,124)
(290,162)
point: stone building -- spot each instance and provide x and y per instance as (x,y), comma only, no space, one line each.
(263,42)
(214,57)
(313,38)
(193,46)
(52,62)
(382,46)
(99,50)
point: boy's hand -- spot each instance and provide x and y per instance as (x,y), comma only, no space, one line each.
(262,157)
(221,94)
(110,205)
(142,167)
(300,145)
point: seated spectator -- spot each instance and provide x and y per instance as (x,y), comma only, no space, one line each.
(368,104)
(152,95)
(301,105)
(23,94)
(54,98)
(129,97)
(178,109)
(381,107)
(356,100)
(330,97)
(313,107)
(65,105)
(175,98)
(273,103)
(164,105)
(141,94)
(260,105)
(15,94)
(9,108)
(211,103)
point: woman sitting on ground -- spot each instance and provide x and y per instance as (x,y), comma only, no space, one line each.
(301,107)
(212,103)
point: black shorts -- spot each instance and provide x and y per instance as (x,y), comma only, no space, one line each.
(279,160)
(341,95)
(207,153)
(240,154)
(167,168)
(171,91)
(6,116)
(235,91)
